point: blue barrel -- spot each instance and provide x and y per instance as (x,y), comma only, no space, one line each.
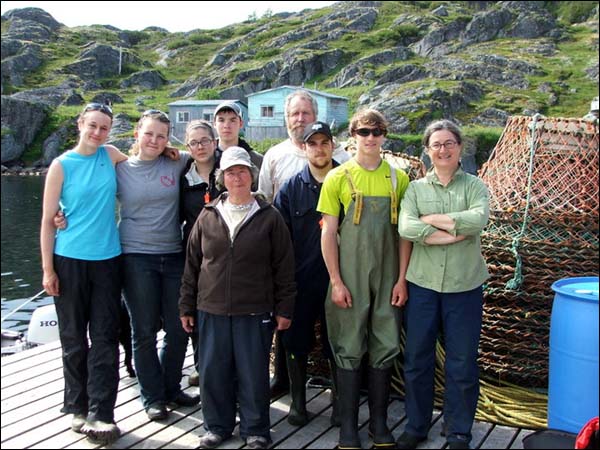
(573,378)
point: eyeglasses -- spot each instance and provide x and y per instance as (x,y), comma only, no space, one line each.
(203,142)
(99,107)
(163,117)
(449,145)
(364,132)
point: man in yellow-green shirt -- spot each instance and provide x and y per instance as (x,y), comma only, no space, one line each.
(443,215)
(366,271)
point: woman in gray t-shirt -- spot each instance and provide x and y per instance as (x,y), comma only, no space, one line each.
(153,260)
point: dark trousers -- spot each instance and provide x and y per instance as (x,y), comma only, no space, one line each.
(299,338)
(234,366)
(90,301)
(460,316)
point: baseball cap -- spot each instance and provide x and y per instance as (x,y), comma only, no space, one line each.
(317,127)
(233,106)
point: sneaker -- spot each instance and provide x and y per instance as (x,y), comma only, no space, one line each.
(257,442)
(210,440)
(194,378)
(183,399)
(77,422)
(99,432)
(157,411)
(406,441)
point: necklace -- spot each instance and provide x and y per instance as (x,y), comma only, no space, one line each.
(245,207)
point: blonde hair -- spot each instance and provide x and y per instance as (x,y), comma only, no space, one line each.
(152,114)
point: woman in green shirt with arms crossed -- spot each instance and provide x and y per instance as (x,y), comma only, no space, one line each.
(443,215)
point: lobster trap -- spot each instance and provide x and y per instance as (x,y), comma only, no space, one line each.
(543,183)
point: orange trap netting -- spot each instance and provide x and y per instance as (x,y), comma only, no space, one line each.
(543,182)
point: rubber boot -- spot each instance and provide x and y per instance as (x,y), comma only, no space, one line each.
(379,398)
(279,383)
(296,365)
(335,412)
(348,396)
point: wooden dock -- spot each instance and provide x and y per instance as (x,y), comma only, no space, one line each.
(32,395)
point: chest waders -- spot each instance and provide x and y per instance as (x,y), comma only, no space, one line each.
(368,255)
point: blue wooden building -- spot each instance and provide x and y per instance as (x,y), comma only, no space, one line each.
(266,111)
(182,112)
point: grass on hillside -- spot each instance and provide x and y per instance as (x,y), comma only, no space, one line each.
(565,72)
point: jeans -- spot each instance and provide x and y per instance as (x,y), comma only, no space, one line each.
(89,300)
(459,315)
(152,285)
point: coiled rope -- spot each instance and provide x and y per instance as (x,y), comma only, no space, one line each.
(499,402)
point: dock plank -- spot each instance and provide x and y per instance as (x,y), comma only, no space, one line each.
(500,437)
(32,396)
(518,442)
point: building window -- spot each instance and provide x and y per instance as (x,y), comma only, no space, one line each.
(183,116)
(208,117)
(266,111)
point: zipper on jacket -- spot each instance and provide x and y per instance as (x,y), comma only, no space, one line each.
(231,242)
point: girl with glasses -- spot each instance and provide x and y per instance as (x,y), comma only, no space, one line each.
(197,188)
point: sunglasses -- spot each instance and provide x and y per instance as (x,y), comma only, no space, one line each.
(163,117)
(99,107)
(364,132)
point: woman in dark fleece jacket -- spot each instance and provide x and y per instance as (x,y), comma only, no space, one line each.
(238,286)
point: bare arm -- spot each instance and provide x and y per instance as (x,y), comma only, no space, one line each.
(400,291)
(340,294)
(116,156)
(52,190)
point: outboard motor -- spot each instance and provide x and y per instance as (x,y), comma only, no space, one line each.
(43,326)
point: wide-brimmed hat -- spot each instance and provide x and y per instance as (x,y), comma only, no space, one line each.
(236,156)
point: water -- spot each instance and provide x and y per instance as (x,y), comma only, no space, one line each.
(21,261)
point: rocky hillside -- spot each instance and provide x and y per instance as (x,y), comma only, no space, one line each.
(475,62)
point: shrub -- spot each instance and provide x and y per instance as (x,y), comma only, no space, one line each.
(264,145)
(201,38)
(208,94)
(177,43)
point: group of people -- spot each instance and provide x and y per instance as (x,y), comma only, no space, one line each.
(229,248)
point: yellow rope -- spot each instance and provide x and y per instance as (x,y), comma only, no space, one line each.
(499,402)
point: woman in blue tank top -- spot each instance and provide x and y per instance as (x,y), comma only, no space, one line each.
(81,269)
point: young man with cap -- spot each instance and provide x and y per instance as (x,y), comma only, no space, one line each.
(237,286)
(297,202)
(228,122)
(367,275)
